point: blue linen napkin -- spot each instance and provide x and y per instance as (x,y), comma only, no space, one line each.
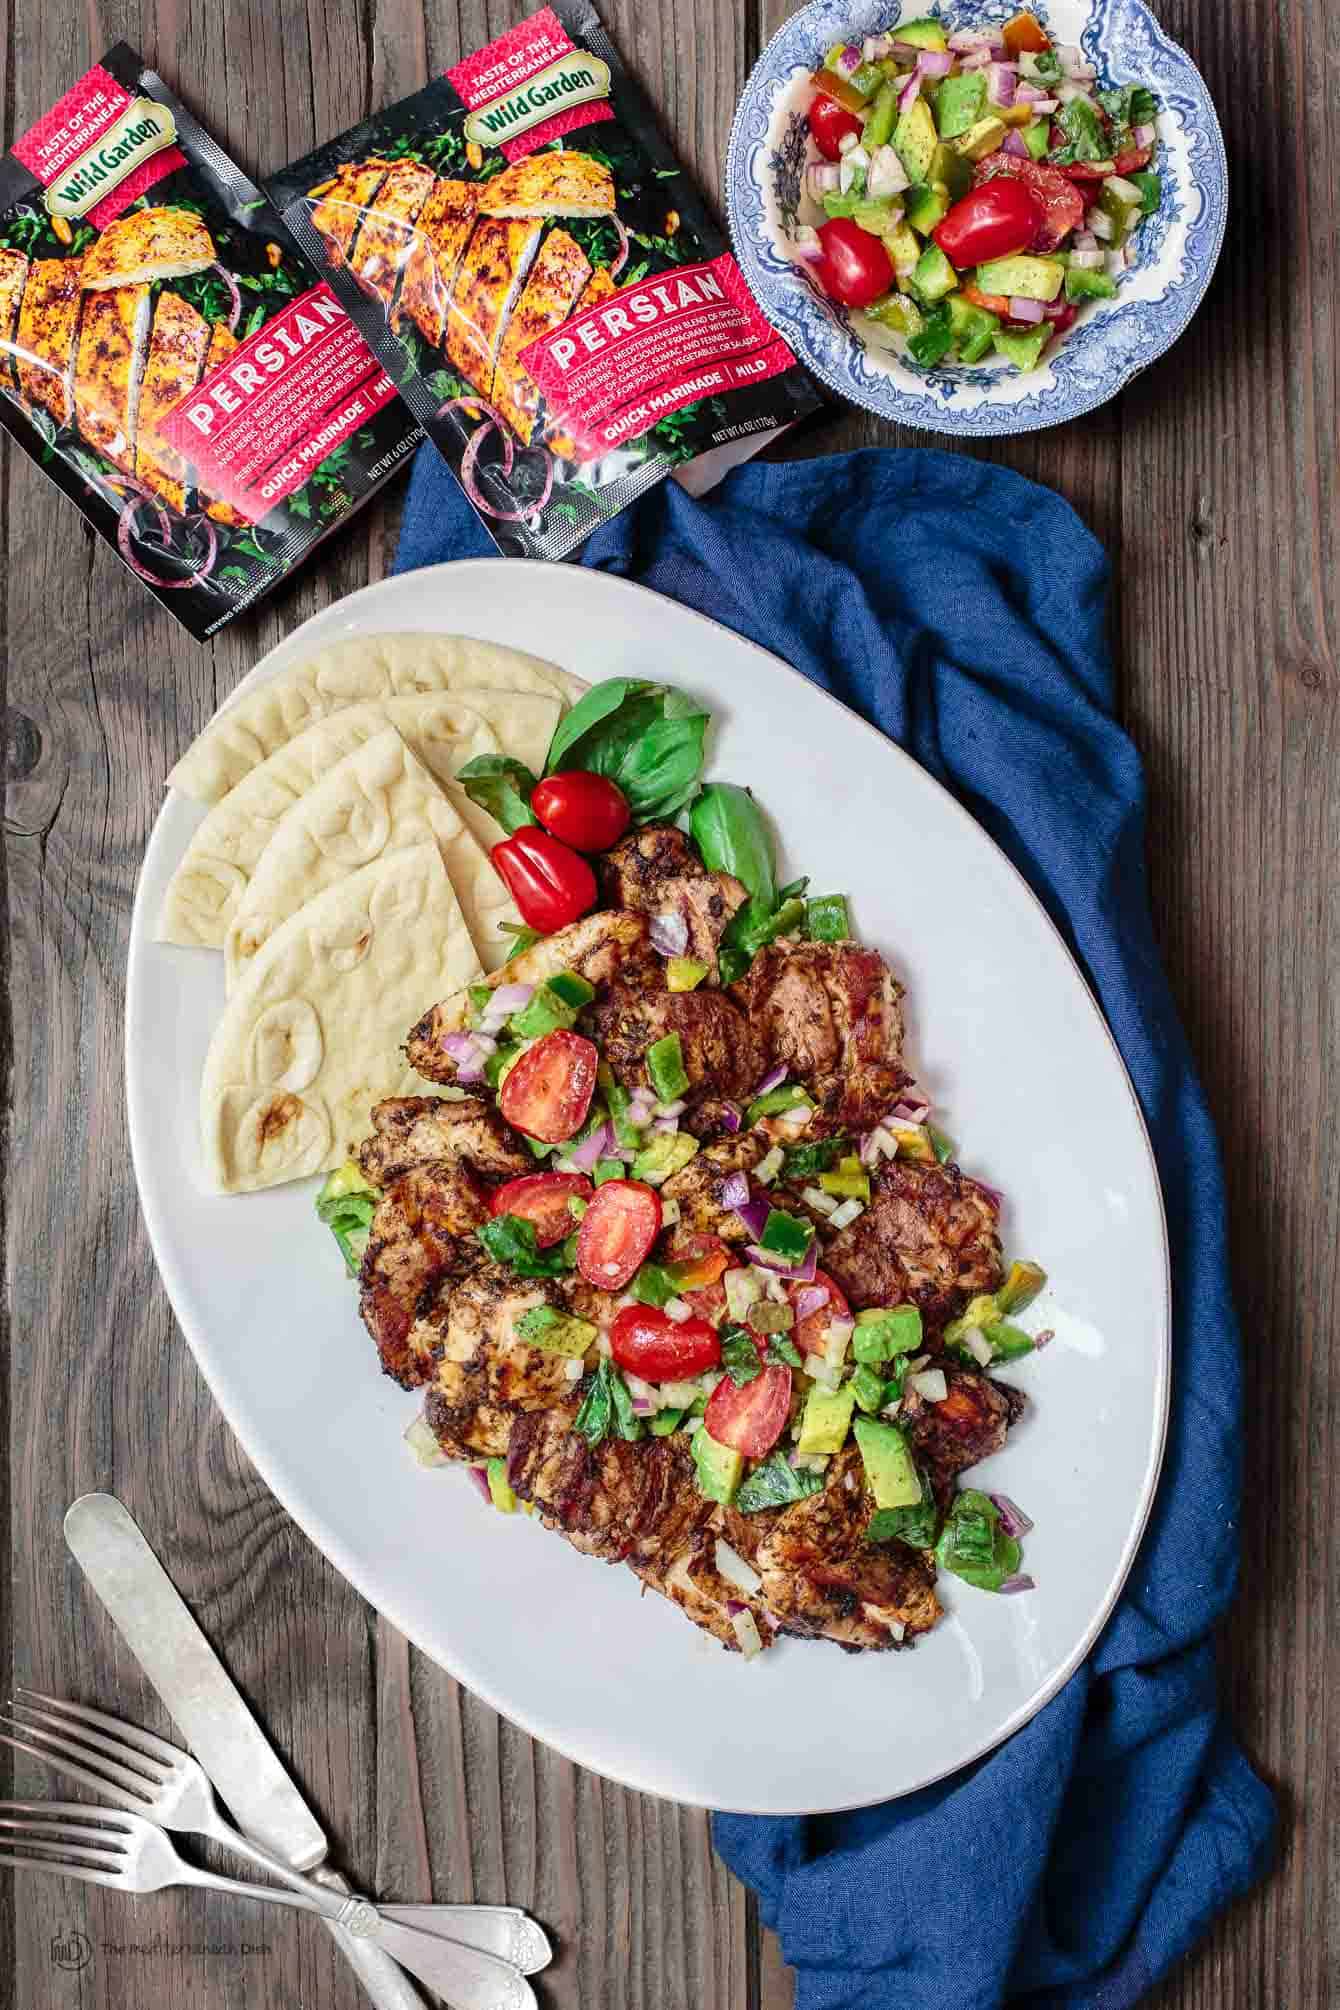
(962,609)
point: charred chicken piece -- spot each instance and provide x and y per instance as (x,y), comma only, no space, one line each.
(697,1189)
(597,947)
(721,1057)
(830,1013)
(965,1428)
(929,1235)
(624,1502)
(412,1131)
(822,1579)
(692,1581)
(486,1374)
(423,1229)
(656,870)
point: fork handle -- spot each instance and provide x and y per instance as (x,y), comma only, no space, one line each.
(385,1981)
(321,1898)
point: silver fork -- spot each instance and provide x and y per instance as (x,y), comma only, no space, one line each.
(147,1776)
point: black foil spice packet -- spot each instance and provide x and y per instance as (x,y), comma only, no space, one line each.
(170,359)
(540,277)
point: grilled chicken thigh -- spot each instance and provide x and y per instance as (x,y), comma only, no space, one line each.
(929,1235)
(45,337)
(721,1055)
(440,237)
(830,1013)
(411,1131)
(964,1429)
(113,339)
(13,278)
(389,229)
(178,346)
(486,1375)
(696,1190)
(656,870)
(423,1230)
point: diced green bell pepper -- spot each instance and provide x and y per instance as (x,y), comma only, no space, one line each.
(1151,190)
(1088,282)
(665,1066)
(786,1235)
(826,918)
(1020,349)
(934,276)
(973,1545)
(934,340)
(786,1096)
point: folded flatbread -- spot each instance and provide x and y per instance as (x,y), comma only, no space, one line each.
(255,726)
(311,1038)
(206,890)
(375,801)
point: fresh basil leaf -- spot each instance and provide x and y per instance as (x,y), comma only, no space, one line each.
(510,1240)
(645,737)
(783,1352)
(739,1356)
(593,1418)
(523,938)
(729,831)
(600,703)
(626,1420)
(501,786)
(806,1162)
(776,1484)
(1085,139)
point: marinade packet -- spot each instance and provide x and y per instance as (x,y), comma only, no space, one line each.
(169,357)
(540,277)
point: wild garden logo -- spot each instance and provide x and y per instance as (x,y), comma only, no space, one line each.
(144,128)
(572,80)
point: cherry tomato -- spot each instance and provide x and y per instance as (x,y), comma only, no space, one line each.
(648,1343)
(549,882)
(549,1091)
(617,1230)
(1133,160)
(811,1332)
(542,1199)
(752,1418)
(828,121)
(700,1262)
(1086,170)
(589,812)
(994,303)
(854,268)
(1024,32)
(995,221)
(1062,203)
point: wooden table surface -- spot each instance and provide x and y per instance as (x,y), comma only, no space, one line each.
(1213,483)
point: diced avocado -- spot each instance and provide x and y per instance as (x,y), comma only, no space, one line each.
(1083,282)
(882,117)
(1037,138)
(888,1464)
(912,1139)
(665,1068)
(345,1180)
(882,1332)
(1020,1288)
(1023,275)
(878,214)
(867,1386)
(924,34)
(556,1332)
(953,170)
(867,80)
(826,1420)
(904,251)
(1008,1342)
(960,102)
(664,1422)
(1123,201)
(915,140)
(347,1204)
(500,1491)
(934,276)
(981,139)
(546,1012)
(683,974)
(973,329)
(896,311)
(668,1152)
(719,1468)
(837,204)
(924,204)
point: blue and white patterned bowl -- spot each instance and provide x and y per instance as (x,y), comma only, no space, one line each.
(1174,252)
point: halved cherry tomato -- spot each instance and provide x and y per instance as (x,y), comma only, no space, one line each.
(648,1343)
(550,883)
(811,1332)
(854,267)
(549,1091)
(587,811)
(700,1262)
(542,1199)
(617,1230)
(994,303)
(1133,160)
(1062,203)
(995,221)
(1024,32)
(1088,170)
(828,121)
(752,1418)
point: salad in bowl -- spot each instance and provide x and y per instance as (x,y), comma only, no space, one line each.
(976,188)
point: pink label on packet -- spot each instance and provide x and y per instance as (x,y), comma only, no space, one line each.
(259,425)
(611,372)
(490,76)
(74,125)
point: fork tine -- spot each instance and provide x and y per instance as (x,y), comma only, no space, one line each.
(156,1748)
(62,1869)
(79,1809)
(149,1769)
(99,1783)
(57,1854)
(40,1823)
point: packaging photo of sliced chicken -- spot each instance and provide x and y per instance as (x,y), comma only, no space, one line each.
(168,356)
(536,271)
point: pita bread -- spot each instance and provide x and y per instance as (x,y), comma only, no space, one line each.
(311,1038)
(206,890)
(257,725)
(377,800)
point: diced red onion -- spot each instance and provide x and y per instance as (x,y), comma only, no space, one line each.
(734,1605)
(641,1407)
(1068,92)
(930,1385)
(812,1299)
(1044,106)
(1127,190)
(1013,144)
(840,1331)
(621,256)
(1028,94)
(736,1571)
(935,63)
(821,179)
(1043,1339)
(465,1050)
(675,1109)
(669,933)
(1144,136)
(1074,62)
(910,90)
(1025,310)
(807,245)
(1084,240)
(1012,1517)
(1021,1581)
(772,1080)
(234,297)
(481,1481)
(665,1123)
(848,141)
(980,59)
(979,1347)
(850,59)
(585,1155)
(1000,83)
(964,40)
(677,1309)
(1087,261)
(766,1259)
(509,998)
(754,1214)
(793,1273)
(854,161)
(911,1107)
(868,1150)
(734,1191)
(485,1042)
(1101,225)
(887,175)
(730,1118)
